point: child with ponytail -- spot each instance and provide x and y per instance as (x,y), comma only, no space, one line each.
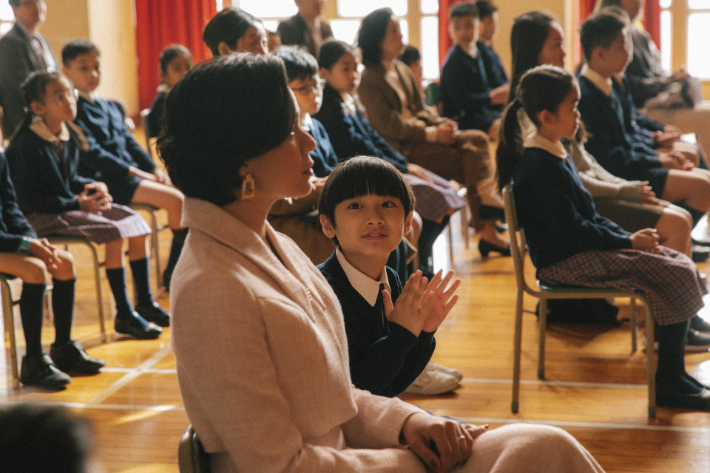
(44,161)
(570,244)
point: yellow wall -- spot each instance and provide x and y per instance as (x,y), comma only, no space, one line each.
(110,25)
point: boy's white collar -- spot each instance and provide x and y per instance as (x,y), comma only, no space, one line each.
(367,287)
(534,140)
(88,96)
(600,82)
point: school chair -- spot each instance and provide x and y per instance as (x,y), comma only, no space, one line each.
(192,457)
(544,291)
(465,217)
(156,229)
(149,142)
(67,241)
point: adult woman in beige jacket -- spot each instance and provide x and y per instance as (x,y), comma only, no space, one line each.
(258,334)
(394,106)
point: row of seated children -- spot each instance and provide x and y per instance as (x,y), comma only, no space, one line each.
(538,39)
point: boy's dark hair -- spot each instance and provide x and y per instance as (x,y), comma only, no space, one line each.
(14,3)
(299,64)
(227,26)
(169,53)
(221,114)
(372,31)
(360,176)
(75,48)
(541,88)
(410,55)
(601,29)
(331,51)
(463,9)
(528,36)
(485,8)
(64,438)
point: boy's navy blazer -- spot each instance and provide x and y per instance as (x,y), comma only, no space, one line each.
(324,156)
(352,134)
(494,67)
(384,359)
(45,182)
(465,91)
(14,225)
(609,141)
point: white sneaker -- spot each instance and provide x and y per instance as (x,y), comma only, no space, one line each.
(431,382)
(453,372)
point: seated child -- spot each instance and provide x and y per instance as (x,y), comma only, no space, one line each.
(352,134)
(175,61)
(365,208)
(607,48)
(25,256)
(235,31)
(412,58)
(466,94)
(114,156)
(487,32)
(44,161)
(587,249)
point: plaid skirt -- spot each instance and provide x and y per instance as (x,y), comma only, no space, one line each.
(434,199)
(669,281)
(117,222)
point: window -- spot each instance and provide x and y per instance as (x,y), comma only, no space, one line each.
(419,27)
(698,25)
(7,19)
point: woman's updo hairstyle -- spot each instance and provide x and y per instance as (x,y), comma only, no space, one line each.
(221,114)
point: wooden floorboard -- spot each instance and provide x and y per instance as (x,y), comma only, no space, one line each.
(595,387)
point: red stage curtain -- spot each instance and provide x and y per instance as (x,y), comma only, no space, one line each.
(444,38)
(160,23)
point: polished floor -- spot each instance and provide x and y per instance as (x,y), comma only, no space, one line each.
(595,387)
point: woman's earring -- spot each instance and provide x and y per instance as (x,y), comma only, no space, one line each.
(248,187)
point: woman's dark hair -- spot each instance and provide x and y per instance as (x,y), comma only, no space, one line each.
(169,53)
(360,176)
(34,89)
(221,114)
(541,88)
(299,63)
(410,55)
(65,440)
(530,30)
(372,31)
(331,51)
(227,26)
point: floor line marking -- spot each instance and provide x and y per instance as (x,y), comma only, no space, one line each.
(130,376)
(534,382)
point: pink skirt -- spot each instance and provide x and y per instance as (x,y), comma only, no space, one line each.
(434,199)
(117,222)
(669,281)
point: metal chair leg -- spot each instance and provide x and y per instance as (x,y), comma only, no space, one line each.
(99,291)
(518,337)
(541,347)
(634,326)
(9,316)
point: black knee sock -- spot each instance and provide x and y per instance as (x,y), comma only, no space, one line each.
(63,307)
(430,232)
(671,353)
(31,312)
(141,281)
(175,250)
(117,281)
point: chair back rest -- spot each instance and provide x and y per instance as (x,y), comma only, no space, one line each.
(517,237)
(146,130)
(192,457)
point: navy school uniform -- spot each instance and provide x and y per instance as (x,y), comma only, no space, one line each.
(13,225)
(351,134)
(641,127)
(610,142)
(495,72)
(112,149)
(557,213)
(324,156)
(384,358)
(465,91)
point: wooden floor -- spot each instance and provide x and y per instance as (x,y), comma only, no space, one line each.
(595,386)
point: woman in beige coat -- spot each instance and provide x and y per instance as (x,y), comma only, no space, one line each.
(258,334)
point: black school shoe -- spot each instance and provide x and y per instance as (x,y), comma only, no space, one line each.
(40,371)
(667,396)
(154,313)
(700,324)
(71,357)
(136,326)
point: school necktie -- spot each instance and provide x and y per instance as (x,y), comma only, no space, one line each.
(380,304)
